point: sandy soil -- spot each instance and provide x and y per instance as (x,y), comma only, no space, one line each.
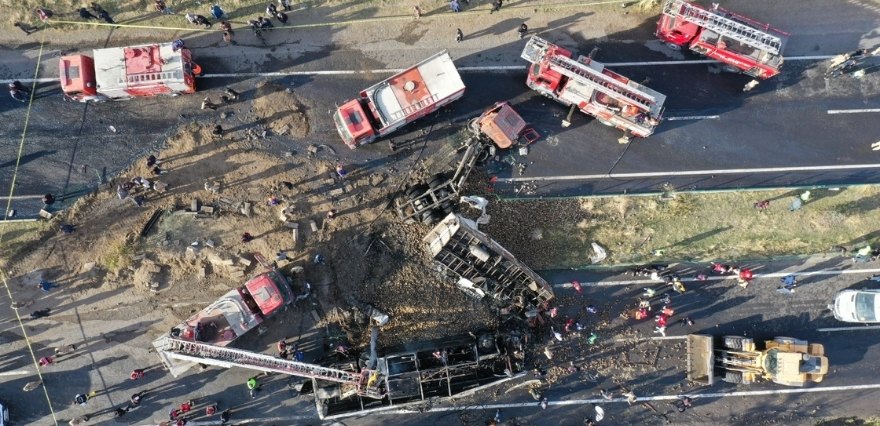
(183,260)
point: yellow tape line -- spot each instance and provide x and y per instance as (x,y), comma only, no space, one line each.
(350,21)
(3,275)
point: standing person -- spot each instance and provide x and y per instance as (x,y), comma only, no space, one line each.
(253,386)
(48,199)
(523,30)
(789,282)
(744,276)
(459,36)
(417,13)
(225,415)
(264,22)
(17,93)
(46,361)
(162,8)
(137,373)
(496,6)
(85,14)
(340,170)
(27,28)
(217,12)
(119,412)
(135,400)
(285,4)
(226,27)
(453,4)
(863,255)
(281,17)
(247,237)
(271,10)
(102,13)
(43,13)
(81,399)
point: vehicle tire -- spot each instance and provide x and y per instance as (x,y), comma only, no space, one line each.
(735,377)
(430,217)
(437,180)
(734,342)
(415,190)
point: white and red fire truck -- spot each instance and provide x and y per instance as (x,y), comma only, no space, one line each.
(399,100)
(748,46)
(584,83)
(127,72)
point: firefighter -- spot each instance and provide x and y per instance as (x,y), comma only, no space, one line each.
(523,30)
(253,386)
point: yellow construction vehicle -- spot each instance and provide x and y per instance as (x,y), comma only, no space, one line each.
(783,360)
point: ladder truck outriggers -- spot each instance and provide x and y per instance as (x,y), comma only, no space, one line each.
(588,85)
(743,44)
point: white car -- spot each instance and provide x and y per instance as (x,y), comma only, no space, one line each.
(862,306)
(4,415)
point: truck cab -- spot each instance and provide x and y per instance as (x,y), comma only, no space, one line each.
(353,124)
(77,73)
(270,291)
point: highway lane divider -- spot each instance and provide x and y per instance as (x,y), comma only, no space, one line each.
(825,272)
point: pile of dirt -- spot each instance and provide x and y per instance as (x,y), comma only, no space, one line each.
(278,109)
(219,188)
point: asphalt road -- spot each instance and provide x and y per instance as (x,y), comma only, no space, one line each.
(782,123)
(69,149)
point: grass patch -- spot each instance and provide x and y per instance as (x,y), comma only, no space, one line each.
(17,237)
(698,227)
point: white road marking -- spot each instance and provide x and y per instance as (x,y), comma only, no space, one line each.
(852,111)
(693,173)
(693,117)
(864,327)
(721,277)
(466,69)
(15,373)
(536,405)
(642,339)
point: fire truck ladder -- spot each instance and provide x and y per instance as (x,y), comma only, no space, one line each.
(726,27)
(607,85)
(230,357)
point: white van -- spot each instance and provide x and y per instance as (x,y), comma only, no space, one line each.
(861,306)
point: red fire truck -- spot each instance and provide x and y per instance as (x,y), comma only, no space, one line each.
(739,42)
(399,100)
(127,72)
(586,84)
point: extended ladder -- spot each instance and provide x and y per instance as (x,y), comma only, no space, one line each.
(725,27)
(605,84)
(202,353)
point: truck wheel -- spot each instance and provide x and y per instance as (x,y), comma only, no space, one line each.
(735,377)
(430,217)
(415,190)
(437,180)
(734,342)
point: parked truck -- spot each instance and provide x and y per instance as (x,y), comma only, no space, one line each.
(588,85)
(401,99)
(741,43)
(484,269)
(127,72)
(783,360)
(235,313)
